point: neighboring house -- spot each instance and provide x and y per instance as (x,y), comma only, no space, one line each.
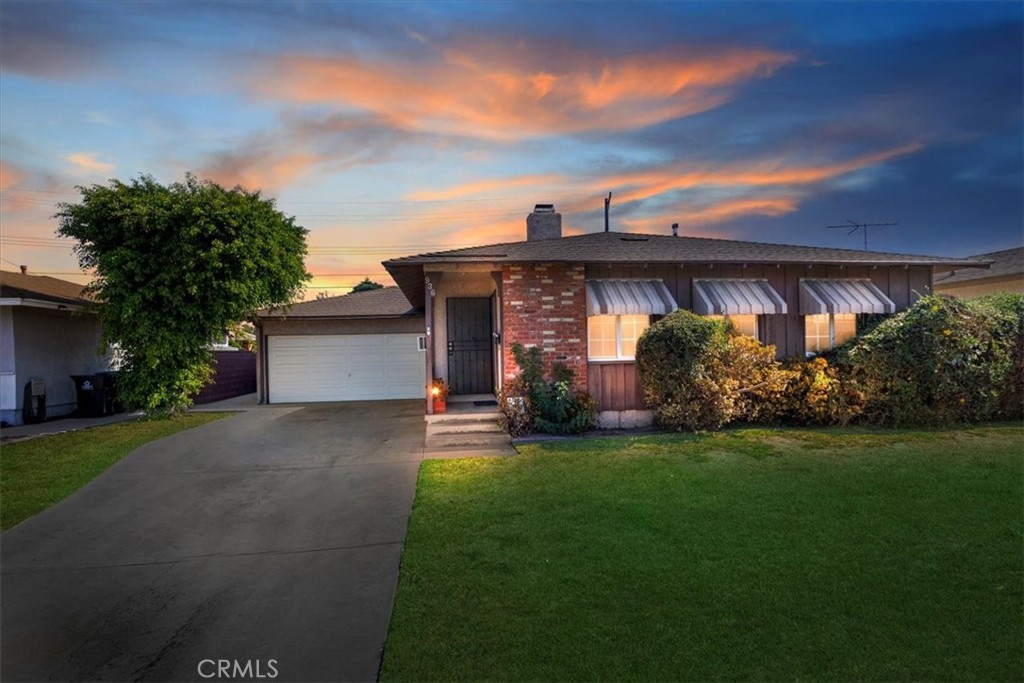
(44,335)
(1006,274)
(584,300)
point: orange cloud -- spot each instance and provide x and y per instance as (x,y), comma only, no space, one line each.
(259,171)
(88,163)
(10,175)
(503,97)
(651,183)
(489,232)
(718,212)
(22,189)
(482,186)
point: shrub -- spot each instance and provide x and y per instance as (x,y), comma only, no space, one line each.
(515,413)
(1008,312)
(942,360)
(529,402)
(676,358)
(699,374)
(815,394)
(761,382)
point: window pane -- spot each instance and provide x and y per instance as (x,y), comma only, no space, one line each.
(846,327)
(601,336)
(632,327)
(816,333)
(745,324)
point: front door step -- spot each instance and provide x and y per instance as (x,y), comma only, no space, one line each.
(470,429)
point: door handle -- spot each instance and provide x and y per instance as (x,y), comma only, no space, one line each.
(451,348)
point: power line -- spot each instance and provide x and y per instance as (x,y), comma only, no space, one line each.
(333,202)
(338,250)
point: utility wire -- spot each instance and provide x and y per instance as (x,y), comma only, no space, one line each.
(338,202)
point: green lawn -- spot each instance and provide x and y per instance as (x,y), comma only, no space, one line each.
(37,473)
(745,555)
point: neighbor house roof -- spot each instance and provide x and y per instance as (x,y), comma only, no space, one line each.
(617,247)
(1005,263)
(40,288)
(375,303)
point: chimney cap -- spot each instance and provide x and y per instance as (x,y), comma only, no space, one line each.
(24,270)
(544,208)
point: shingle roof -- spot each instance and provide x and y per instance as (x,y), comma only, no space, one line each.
(41,288)
(375,303)
(617,247)
(1004,263)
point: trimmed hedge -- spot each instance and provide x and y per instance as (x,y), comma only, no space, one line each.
(1008,310)
(698,373)
(942,361)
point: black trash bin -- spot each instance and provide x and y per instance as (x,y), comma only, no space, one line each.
(89,389)
(108,387)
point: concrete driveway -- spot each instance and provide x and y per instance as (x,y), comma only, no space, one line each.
(270,538)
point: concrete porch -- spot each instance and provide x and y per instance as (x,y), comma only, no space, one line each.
(469,427)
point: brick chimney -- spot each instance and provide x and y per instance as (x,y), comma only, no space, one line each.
(544,223)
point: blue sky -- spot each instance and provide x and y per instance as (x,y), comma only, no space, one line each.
(395,128)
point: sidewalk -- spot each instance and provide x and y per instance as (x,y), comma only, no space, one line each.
(71,424)
(61,425)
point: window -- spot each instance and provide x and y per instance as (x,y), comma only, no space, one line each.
(745,324)
(827,331)
(613,337)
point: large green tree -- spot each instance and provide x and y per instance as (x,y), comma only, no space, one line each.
(174,267)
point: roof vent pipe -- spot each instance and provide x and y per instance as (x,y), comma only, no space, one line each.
(675,230)
(24,270)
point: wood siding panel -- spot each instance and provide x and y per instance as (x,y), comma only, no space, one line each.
(776,331)
(880,277)
(899,287)
(794,321)
(615,385)
(920,283)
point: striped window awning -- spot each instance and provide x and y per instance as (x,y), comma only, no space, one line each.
(727,296)
(629,297)
(843,296)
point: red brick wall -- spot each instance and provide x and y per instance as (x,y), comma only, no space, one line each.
(545,305)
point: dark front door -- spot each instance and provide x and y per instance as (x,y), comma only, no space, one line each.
(470,346)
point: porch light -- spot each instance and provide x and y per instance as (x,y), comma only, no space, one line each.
(435,391)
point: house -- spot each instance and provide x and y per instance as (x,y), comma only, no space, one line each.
(583,300)
(1006,274)
(44,335)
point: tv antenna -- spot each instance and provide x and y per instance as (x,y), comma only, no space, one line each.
(853,226)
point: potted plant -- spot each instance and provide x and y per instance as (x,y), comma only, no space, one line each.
(439,393)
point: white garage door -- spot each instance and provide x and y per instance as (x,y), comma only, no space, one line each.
(349,367)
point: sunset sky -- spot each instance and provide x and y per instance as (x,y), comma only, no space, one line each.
(389,129)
